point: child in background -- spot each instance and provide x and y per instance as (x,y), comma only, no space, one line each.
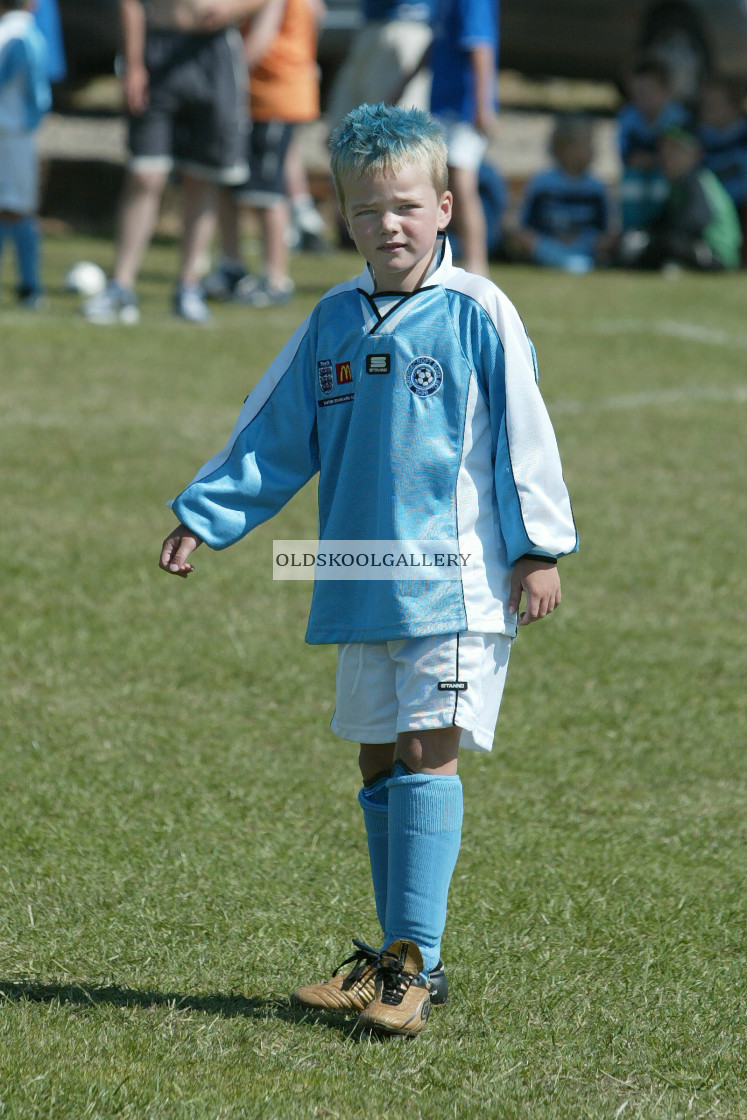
(723,135)
(464,99)
(698,227)
(412,392)
(649,112)
(564,220)
(280,46)
(25,96)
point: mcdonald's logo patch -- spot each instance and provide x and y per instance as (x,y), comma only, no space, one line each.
(344,373)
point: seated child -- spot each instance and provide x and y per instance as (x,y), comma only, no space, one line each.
(412,392)
(698,227)
(650,110)
(25,96)
(564,219)
(723,135)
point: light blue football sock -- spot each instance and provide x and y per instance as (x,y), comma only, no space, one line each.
(374,801)
(425,834)
(25,236)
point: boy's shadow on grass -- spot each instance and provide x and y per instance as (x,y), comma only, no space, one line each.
(227,1006)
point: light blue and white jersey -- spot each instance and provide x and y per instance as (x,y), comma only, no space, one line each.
(471,458)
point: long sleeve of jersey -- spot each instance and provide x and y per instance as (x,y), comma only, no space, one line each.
(272,452)
(423,418)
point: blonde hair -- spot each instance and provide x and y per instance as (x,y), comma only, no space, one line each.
(380,138)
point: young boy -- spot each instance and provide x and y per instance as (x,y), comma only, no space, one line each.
(280,44)
(412,391)
(650,110)
(564,219)
(699,226)
(723,134)
(464,99)
(25,96)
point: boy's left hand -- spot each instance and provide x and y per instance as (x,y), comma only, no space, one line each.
(176,549)
(540,583)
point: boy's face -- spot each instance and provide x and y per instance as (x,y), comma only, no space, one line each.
(394,219)
(575,156)
(649,95)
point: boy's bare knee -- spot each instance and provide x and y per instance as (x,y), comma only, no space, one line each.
(375,758)
(432,751)
(146,182)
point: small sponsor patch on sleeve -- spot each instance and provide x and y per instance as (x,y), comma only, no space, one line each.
(378,363)
(343,399)
(452,686)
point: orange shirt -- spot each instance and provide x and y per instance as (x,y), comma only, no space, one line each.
(284,86)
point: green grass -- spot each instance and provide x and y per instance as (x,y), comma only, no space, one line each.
(180,843)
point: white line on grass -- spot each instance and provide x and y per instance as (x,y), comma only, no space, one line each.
(666,328)
(672,328)
(708,394)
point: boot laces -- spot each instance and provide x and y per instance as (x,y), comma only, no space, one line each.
(394,979)
(364,959)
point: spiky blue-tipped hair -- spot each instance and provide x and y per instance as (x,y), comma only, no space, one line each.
(380,138)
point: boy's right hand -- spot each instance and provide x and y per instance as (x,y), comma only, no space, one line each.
(175,550)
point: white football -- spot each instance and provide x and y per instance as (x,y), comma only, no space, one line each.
(85,278)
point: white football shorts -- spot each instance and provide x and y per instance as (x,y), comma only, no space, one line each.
(415,684)
(466,146)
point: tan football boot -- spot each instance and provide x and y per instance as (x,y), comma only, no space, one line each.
(348,991)
(401,1002)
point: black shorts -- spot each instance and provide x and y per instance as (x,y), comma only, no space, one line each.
(267,148)
(196,114)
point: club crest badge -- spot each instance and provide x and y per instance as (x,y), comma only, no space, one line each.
(424,377)
(326,376)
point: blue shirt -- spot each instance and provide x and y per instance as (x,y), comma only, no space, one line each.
(423,421)
(560,205)
(47,16)
(725,153)
(459,26)
(636,134)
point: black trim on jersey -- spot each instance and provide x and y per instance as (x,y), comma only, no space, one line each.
(441,252)
(536,556)
(456,676)
(371,299)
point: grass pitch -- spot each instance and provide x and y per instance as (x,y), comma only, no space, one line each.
(180,843)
